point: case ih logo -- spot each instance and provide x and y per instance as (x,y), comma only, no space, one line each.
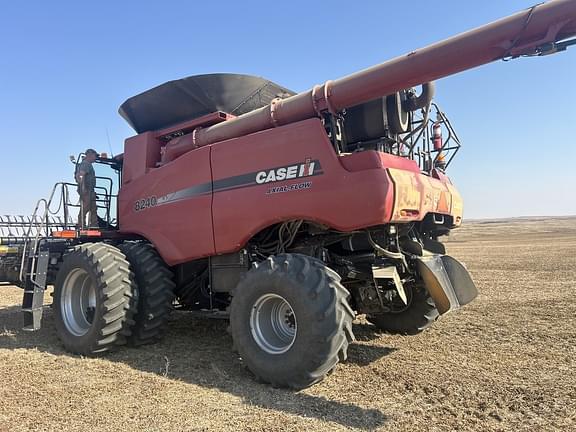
(305,169)
(250,179)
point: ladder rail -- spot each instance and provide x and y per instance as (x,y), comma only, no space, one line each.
(37,227)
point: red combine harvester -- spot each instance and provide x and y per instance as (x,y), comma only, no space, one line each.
(287,214)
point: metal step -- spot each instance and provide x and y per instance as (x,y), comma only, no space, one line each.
(33,300)
(32,319)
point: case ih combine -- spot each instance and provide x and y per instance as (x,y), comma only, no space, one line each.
(287,213)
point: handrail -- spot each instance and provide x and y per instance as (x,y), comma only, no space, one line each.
(417,142)
(38,227)
(47,203)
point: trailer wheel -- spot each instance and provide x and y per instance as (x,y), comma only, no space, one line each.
(290,320)
(411,319)
(92,296)
(154,285)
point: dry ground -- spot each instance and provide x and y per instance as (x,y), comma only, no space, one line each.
(505,362)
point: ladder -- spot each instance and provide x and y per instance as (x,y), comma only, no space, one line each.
(36,254)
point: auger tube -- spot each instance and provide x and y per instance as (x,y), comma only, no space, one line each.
(520,34)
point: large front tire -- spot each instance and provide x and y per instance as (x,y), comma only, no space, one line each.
(92,297)
(291,321)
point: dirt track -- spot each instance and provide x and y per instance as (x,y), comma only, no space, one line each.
(505,362)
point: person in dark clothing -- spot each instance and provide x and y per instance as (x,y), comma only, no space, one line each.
(86,179)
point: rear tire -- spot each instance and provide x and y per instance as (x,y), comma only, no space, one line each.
(92,296)
(420,314)
(291,321)
(154,284)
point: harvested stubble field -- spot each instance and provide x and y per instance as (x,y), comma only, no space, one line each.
(505,362)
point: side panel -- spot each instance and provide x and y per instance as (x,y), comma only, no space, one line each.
(251,190)
(141,152)
(171,207)
(417,195)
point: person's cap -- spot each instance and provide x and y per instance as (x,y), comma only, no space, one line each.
(91,151)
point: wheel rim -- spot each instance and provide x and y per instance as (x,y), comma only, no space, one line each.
(78,302)
(273,324)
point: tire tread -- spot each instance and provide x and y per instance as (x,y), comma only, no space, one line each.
(114,285)
(328,303)
(155,286)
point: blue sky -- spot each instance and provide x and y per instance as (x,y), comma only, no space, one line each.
(66,66)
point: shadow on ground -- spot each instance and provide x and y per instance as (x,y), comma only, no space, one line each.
(366,332)
(199,352)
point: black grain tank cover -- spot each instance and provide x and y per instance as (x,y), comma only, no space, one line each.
(189,98)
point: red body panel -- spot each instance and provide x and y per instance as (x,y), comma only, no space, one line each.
(376,160)
(212,200)
(338,198)
(142,153)
(182,229)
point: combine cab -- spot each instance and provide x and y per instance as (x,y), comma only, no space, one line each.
(288,214)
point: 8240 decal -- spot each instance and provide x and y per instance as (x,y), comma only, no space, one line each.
(145,203)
